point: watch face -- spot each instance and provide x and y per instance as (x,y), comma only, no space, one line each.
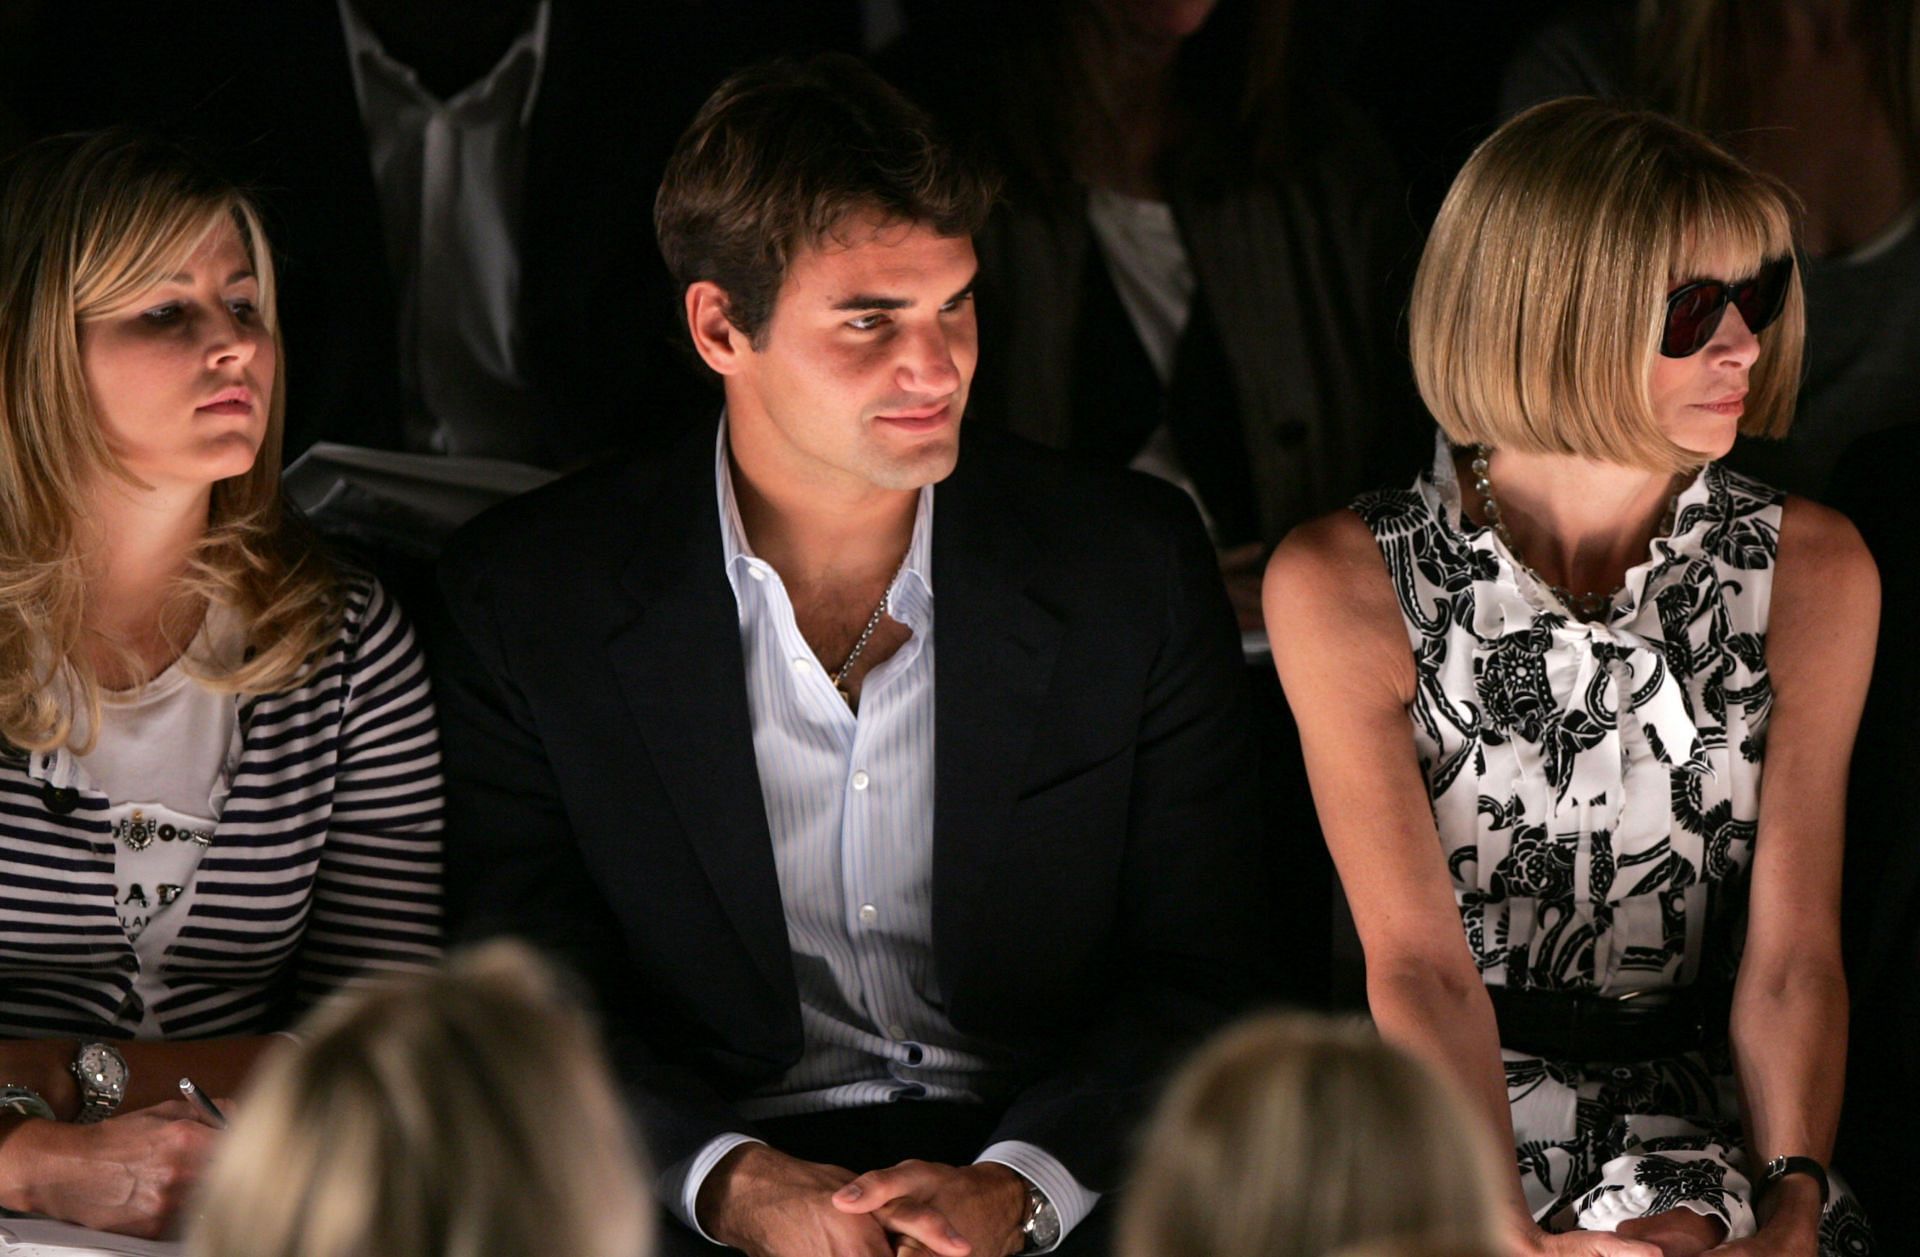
(102,1070)
(1045,1229)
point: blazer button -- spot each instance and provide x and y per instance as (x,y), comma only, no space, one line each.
(59,799)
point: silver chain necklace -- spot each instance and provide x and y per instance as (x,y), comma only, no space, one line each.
(866,634)
(1587,606)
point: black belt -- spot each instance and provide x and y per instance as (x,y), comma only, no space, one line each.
(1584,1026)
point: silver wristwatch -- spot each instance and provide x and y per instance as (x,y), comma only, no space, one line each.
(1042,1223)
(102,1074)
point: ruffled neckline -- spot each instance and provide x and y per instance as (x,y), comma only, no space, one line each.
(1697,508)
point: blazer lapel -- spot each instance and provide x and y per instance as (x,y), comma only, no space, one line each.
(679,665)
(997,643)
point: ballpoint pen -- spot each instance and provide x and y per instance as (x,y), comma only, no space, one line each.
(206,1104)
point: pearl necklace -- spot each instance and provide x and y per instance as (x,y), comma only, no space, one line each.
(1586,606)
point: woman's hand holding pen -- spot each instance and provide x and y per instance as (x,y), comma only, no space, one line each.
(130,1174)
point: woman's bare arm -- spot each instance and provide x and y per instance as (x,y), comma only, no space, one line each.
(1789,1026)
(132,1172)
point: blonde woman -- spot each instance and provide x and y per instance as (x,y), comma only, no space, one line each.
(1577,706)
(458,1114)
(1295,1136)
(219,775)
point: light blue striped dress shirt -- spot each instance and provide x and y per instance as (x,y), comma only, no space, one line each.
(850,808)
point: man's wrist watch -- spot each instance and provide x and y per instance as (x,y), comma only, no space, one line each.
(1041,1226)
(1781,1167)
(102,1074)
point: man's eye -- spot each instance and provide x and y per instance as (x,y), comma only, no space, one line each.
(964,298)
(866,322)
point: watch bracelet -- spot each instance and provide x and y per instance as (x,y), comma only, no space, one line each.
(24,1102)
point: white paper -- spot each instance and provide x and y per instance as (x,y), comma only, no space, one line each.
(43,1237)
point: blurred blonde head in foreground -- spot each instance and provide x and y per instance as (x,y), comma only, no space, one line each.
(465,1113)
(1298,1136)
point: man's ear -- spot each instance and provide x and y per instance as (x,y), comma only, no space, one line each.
(720,344)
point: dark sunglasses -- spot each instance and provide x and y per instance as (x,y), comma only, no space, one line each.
(1694,310)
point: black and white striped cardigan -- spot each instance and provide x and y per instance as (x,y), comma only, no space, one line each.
(326,861)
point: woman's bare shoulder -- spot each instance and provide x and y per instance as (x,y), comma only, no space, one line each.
(1823,563)
(1327,588)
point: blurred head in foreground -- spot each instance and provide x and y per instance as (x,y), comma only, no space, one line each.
(1293,1134)
(466,1113)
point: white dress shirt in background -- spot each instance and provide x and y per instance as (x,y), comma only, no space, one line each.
(450,177)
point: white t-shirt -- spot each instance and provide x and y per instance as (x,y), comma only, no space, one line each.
(1154,277)
(164,759)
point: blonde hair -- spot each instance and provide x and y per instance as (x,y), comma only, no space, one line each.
(1538,305)
(88,223)
(466,1113)
(1294,1134)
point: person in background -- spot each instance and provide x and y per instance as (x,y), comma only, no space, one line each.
(460,1113)
(451,184)
(1297,1136)
(1577,706)
(219,772)
(898,900)
(1192,271)
(1825,96)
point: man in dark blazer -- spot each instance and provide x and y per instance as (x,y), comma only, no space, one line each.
(859,991)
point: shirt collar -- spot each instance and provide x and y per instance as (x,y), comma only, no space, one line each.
(911,594)
(366,54)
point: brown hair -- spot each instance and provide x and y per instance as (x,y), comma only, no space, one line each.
(1537,308)
(783,157)
(465,1113)
(1687,62)
(1291,1135)
(1242,100)
(87,223)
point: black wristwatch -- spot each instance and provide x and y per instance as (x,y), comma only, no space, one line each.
(1780,1167)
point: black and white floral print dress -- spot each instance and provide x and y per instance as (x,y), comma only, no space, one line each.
(1596,787)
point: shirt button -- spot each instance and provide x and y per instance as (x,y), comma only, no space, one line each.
(801,663)
(861,780)
(868,914)
(896,1031)
(755,572)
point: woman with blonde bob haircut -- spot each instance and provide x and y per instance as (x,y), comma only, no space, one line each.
(1538,689)
(1295,1136)
(467,1113)
(219,774)
(1539,302)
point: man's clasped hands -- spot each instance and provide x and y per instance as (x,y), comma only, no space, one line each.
(769,1204)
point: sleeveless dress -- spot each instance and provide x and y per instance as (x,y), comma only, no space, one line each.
(1596,787)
